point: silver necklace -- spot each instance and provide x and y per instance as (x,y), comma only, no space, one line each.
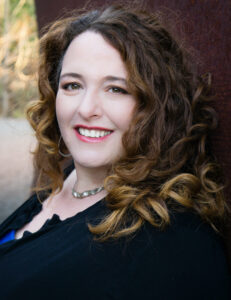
(86,193)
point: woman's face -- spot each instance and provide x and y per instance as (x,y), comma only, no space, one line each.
(93,105)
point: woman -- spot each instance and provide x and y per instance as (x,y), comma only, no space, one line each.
(137,213)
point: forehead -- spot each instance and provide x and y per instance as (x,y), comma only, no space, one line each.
(90,52)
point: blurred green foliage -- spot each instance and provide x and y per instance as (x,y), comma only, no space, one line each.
(26,6)
(18,56)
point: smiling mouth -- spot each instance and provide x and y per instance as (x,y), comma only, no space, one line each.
(93,133)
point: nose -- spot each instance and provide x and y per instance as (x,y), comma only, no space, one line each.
(90,106)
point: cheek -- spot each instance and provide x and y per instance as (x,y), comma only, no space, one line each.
(122,115)
(63,111)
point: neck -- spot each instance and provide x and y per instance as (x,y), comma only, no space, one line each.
(88,179)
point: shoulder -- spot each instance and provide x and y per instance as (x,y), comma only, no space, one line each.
(188,242)
(186,257)
(187,231)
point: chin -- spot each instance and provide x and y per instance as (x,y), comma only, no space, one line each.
(92,163)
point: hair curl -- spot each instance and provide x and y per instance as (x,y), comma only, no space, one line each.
(167,162)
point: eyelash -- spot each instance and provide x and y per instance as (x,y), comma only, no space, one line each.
(119,90)
(69,86)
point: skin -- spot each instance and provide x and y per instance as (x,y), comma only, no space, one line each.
(92,93)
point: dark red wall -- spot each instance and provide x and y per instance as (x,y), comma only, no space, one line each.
(207,28)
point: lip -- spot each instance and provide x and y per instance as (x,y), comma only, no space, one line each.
(89,139)
(92,128)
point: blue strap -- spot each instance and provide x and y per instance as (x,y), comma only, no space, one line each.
(8,237)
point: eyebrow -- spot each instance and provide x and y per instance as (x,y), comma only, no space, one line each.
(106,78)
(75,75)
(114,78)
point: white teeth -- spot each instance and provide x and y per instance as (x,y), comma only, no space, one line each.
(102,133)
(93,133)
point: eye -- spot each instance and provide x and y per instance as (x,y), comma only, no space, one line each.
(117,90)
(71,86)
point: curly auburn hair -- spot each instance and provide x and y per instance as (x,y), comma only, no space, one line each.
(167,163)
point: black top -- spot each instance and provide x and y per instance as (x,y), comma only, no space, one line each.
(62,261)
